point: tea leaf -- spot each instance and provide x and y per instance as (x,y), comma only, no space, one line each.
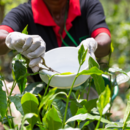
(103,100)
(20,68)
(91,71)
(113,70)
(82,55)
(30,105)
(90,104)
(16,99)
(99,83)
(5,120)
(86,116)
(81,111)
(52,119)
(25,31)
(92,63)
(118,125)
(73,108)
(107,129)
(35,87)
(3,101)
(127,113)
(27,117)
(46,98)
(70,128)
(84,123)
(60,107)
(53,97)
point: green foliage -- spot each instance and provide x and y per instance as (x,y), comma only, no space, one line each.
(103,100)
(45,99)
(52,119)
(19,67)
(99,83)
(35,88)
(82,55)
(28,116)
(64,109)
(30,105)
(25,31)
(118,19)
(126,118)
(90,104)
(3,101)
(10,4)
(16,99)
(83,117)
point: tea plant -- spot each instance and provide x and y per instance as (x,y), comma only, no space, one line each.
(61,109)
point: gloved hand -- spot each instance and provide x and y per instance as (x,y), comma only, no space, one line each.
(90,44)
(31,46)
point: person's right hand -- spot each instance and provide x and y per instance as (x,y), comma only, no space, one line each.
(31,46)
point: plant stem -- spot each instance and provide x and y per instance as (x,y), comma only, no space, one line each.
(8,102)
(10,113)
(6,87)
(48,84)
(13,86)
(8,120)
(63,125)
(98,123)
(88,90)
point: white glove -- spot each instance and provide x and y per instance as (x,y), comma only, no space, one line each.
(90,44)
(31,46)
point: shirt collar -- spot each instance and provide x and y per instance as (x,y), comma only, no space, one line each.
(42,15)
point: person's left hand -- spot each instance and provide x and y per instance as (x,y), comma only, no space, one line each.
(90,44)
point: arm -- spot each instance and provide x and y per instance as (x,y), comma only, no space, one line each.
(3,48)
(104,41)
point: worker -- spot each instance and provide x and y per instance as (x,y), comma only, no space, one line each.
(52,24)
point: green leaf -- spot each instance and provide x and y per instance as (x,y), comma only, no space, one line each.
(91,71)
(81,111)
(83,117)
(84,123)
(118,125)
(52,119)
(99,83)
(92,63)
(5,120)
(70,128)
(28,116)
(35,88)
(73,108)
(112,48)
(3,101)
(114,70)
(90,104)
(20,68)
(53,97)
(16,99)
(30,105)
(46,98)
(103,100)
(82,55)
(107,129)
(98,80)
(25,30)
(126,118)
(60,107)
